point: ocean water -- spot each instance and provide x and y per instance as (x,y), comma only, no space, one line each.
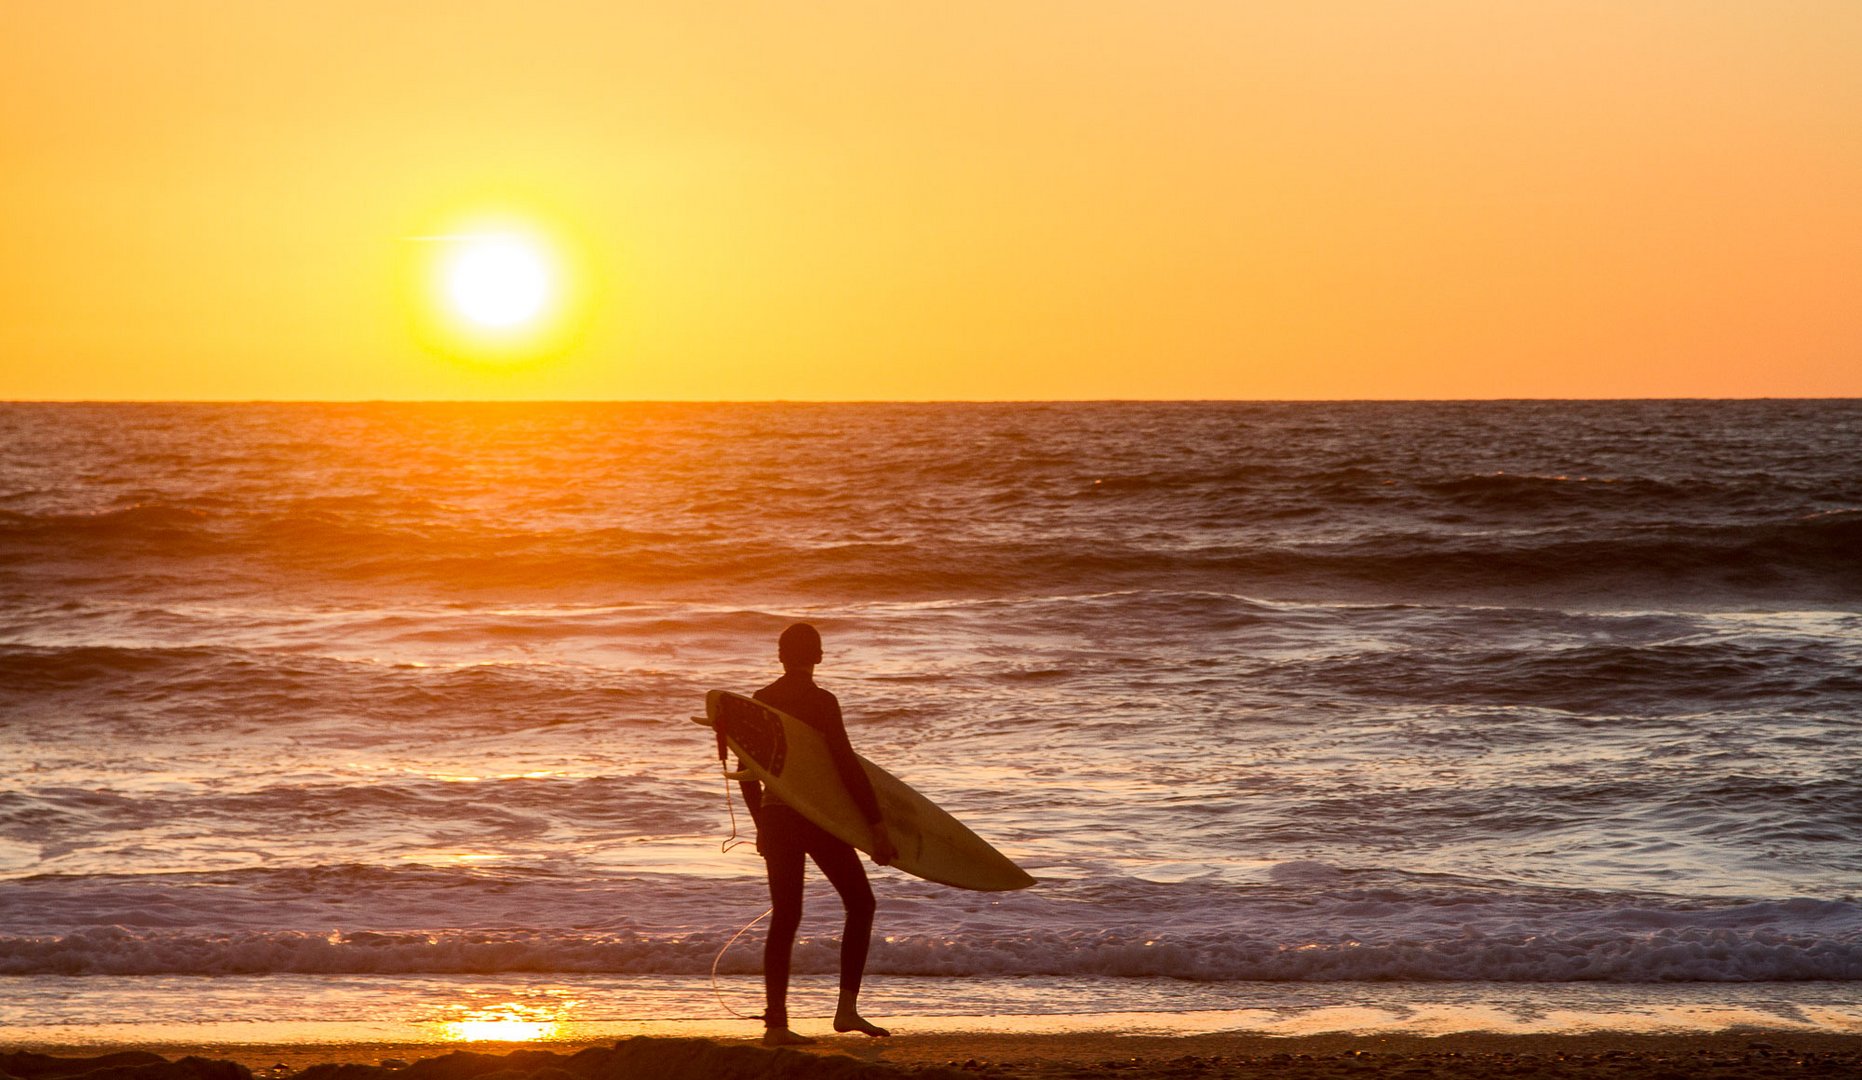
(349,712)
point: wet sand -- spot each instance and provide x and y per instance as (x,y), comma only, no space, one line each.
(1005,1056)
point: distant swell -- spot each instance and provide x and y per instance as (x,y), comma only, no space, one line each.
(1535,493)
(156,529)
(1811,556)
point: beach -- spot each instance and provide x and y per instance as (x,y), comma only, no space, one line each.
(1642,1041)
(1755,1054)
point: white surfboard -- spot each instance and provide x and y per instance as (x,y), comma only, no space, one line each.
(793,760)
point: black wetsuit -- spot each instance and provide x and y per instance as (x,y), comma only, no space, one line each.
(784,837)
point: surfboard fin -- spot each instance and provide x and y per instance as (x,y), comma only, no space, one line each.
(740,774)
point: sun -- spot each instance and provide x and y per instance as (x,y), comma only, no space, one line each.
(499,282)
(503,290)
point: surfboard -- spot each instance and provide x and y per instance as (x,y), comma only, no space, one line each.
(792,758)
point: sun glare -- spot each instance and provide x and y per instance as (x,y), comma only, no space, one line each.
(498,1029)
(498,281)
(495,289)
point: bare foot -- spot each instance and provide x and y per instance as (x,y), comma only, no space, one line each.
(782,1036)
(852,1021)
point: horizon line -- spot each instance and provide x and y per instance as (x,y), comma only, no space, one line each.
(907,401)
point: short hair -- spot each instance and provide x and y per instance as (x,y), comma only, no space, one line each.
(799,644)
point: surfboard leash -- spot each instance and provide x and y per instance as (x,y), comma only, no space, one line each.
(730,842)
(733,841)
(718,959)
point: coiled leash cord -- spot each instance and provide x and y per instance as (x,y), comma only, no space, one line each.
(733,840)
(730,842)
(719,994)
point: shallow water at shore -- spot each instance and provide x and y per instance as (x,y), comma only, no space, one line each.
(279,1010)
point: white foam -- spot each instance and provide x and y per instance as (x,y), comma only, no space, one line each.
(1310,922)
(1700,954)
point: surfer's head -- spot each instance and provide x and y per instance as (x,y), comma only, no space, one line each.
(799,647)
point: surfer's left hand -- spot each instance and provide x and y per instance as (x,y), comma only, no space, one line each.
(883,851)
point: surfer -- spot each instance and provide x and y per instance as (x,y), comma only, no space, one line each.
(784,837)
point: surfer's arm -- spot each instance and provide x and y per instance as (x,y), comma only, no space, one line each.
(852,776)
(854,779)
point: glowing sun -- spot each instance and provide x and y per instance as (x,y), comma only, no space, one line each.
(496,289)
(498,282)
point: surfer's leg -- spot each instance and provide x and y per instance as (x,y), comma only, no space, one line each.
(841,864)
(784,855)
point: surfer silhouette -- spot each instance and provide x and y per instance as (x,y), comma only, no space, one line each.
(784,837)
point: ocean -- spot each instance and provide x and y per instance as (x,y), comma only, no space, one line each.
(353,714)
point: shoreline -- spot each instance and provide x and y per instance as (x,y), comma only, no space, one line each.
(533,1025)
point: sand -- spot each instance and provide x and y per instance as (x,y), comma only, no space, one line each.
(1003,1056)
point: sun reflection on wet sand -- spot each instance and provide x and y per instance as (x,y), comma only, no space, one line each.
(508,1021)
(502,1029)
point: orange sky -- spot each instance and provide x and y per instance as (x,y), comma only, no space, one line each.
(1432,198)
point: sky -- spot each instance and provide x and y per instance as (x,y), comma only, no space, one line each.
(873,200)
